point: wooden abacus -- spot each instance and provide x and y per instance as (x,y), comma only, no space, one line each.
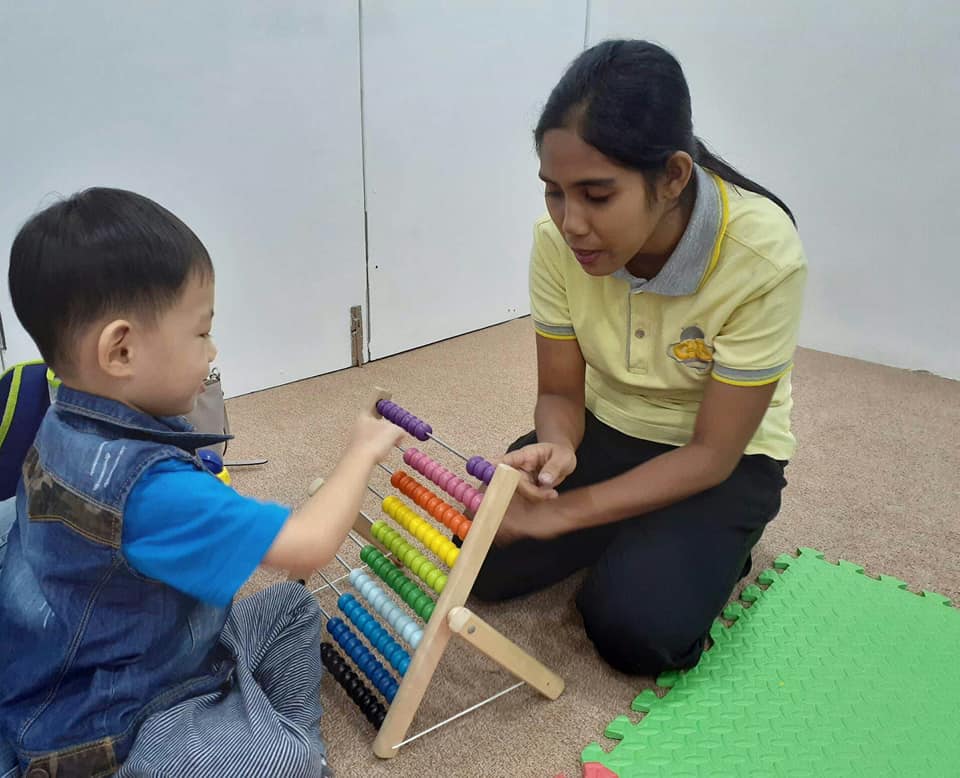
(444,616)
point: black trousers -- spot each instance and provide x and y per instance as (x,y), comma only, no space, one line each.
(656,582)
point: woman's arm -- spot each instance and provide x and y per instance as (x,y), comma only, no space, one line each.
(560,393)
(727,420)
(558,418)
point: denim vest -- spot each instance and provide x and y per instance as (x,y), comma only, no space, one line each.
(89,646)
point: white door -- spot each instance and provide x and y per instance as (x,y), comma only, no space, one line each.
(242,117)
(451,93)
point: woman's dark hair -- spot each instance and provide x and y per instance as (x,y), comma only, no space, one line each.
(99,252)
(630,101)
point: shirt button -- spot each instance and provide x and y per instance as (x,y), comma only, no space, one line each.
(640,333)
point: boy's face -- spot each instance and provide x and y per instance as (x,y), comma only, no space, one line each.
(173,357)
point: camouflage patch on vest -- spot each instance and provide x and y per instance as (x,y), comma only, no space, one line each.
(50,500)
(93,760)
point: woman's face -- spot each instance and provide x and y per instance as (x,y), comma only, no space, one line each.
(603,210)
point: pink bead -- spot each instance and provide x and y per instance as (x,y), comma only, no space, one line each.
(460,490)
(443,480)
(409,454)
(475,502)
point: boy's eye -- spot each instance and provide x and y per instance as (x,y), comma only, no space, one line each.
(556,193)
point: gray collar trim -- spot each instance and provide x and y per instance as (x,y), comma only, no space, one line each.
(685,268)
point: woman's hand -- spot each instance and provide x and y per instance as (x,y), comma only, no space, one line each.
(526,519)
(544,465)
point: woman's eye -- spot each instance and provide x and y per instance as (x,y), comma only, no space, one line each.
(597,199)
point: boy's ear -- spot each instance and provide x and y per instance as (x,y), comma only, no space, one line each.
(115,348)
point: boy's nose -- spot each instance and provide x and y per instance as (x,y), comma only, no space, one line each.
(211,350)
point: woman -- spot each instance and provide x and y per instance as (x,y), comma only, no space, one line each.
(666,292)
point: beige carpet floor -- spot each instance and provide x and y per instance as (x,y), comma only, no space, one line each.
(876,481)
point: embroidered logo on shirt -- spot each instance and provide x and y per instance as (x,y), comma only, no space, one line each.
(691,350)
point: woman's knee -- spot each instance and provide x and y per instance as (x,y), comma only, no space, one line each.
(493,585)
(641,638)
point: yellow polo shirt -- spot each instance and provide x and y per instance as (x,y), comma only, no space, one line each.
(725,307)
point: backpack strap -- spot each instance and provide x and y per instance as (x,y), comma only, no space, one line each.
(24,398)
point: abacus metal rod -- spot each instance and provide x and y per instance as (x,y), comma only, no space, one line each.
(335,580)
(376,493)
(458,715)
(385,469)
(329,583)
(448,447)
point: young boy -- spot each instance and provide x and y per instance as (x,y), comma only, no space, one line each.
(123,651)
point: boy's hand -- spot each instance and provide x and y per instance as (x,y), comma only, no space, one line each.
(375,437)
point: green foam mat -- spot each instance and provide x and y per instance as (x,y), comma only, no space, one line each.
(828,672)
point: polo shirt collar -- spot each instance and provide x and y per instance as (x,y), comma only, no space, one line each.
(696,254)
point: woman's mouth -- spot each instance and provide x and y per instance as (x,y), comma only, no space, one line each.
(586,257)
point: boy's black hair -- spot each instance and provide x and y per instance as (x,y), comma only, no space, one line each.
(100,252)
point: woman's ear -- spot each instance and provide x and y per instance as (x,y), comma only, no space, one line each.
(676,175)
(115,348)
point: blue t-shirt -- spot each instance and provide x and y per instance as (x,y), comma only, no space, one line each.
(186,528)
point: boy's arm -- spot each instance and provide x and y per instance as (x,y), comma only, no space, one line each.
(311,536)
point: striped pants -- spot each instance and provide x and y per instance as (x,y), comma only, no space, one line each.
(266,724)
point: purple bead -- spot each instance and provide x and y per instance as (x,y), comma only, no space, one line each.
(486,474)
(422,430)
(472,465)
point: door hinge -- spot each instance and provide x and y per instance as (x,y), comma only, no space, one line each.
(356,335)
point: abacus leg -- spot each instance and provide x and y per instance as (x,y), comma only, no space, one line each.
(455,593)
(505,652)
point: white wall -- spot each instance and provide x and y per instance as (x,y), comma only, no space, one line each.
(851,112)
(452,92)
(242,117)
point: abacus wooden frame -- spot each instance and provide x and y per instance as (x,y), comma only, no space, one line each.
(452,617)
